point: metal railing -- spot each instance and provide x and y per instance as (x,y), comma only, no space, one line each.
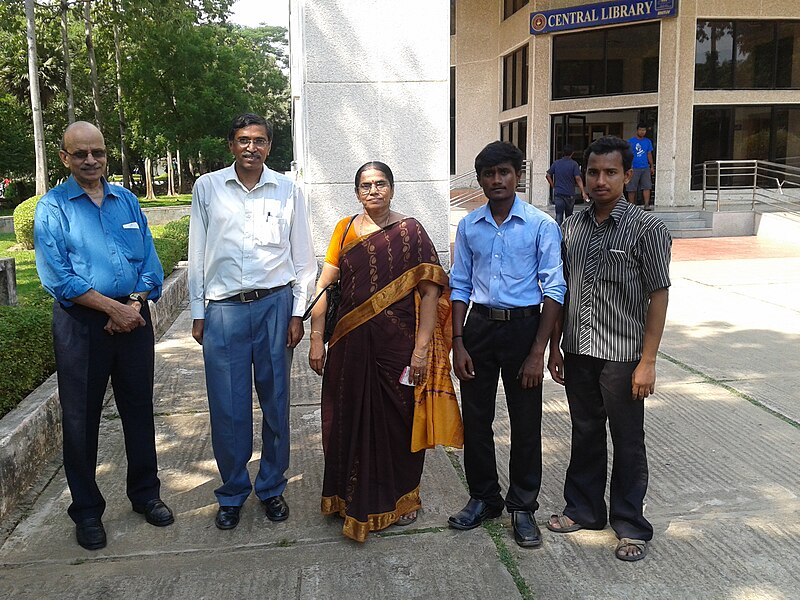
(768,185)
(469,183)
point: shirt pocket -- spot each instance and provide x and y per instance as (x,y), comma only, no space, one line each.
(272,231)
(131,243)
(518,257)
(616,265)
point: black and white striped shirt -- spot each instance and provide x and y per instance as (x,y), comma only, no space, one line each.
(611,269)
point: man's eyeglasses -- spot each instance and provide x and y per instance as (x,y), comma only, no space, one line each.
(381,185)
(84,154)
(244,142)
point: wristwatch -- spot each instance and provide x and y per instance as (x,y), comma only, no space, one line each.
(136,297)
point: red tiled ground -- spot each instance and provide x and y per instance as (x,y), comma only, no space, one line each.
(731,248)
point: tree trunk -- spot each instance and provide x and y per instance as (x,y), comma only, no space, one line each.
(87,17)
(180,170)
(123,125)
(170,175)
(36,101)
(67,62)
(148,175)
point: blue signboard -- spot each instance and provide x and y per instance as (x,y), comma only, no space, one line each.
(602,13)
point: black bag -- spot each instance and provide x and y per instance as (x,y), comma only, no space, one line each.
(333,292)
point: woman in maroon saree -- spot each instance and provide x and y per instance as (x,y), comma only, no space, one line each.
(391,283)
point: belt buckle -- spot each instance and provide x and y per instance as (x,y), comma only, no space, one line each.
(243,297)
(499,314)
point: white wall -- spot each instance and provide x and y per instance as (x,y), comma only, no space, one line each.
(370,82)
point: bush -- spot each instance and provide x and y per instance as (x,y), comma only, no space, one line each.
(172,242)
(23,222)
(26,351)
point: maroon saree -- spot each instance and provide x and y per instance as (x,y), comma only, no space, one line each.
(371,476)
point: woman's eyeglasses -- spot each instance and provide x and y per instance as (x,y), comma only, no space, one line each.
(381,185)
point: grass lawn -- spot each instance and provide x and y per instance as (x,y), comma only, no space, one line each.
(181,200)
(29,289)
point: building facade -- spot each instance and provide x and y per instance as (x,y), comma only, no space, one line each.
(712,79)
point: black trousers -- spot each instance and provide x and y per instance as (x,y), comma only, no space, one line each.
(86,356)
(598,391)
(498,349)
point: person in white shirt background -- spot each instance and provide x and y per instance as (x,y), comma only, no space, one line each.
(251,270)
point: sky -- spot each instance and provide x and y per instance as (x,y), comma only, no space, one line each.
(254,12)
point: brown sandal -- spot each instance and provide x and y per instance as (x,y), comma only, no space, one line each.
(622,546)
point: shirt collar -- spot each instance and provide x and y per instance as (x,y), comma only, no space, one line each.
(267,176)
(517,210)
(617,213)
(75,191)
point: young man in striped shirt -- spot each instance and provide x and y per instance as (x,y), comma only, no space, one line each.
(616,264)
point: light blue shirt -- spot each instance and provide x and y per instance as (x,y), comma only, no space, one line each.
(82,246)
(513,265)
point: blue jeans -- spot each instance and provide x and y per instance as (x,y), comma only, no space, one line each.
(564,206)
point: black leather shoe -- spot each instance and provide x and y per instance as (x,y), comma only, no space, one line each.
(276,508)
(91,534)
(155,512)
(227,517)
(526,532)
(473,514)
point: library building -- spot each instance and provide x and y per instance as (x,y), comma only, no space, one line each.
(712,80)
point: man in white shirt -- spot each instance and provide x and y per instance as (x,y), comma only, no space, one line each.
(251,271)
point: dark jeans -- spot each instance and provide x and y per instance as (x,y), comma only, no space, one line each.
(86,356)
(598,391)
(498,349)
(564,206)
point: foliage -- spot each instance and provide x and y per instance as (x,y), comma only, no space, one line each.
(26,343)
(23,222)
(185,74)
(26,350)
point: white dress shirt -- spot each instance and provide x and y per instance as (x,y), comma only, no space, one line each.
(242,240)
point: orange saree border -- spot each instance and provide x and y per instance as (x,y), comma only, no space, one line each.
(358,530)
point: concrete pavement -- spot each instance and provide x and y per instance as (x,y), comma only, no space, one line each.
(724,449)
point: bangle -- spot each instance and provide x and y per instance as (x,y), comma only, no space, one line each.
(313,331)
(418,356)
(457,336)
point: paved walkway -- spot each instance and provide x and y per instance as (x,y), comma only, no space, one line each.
(724,449)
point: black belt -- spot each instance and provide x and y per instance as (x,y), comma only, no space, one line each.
(252,295)
(505,314)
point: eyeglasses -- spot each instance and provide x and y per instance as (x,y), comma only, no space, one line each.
(244,142)
(365,188)
(84,154)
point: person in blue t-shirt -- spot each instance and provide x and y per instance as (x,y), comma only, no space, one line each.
(563,175)
(643,167)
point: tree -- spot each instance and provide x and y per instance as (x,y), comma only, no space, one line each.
(67,64)
(36,102)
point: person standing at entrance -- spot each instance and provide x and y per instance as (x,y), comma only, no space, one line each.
(616,262)
(563,175)
(507,264)
(95,256)
(251,270)
(643,167)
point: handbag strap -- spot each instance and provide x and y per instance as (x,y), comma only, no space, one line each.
(307,314)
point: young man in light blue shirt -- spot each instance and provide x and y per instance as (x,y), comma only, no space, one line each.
(507,264)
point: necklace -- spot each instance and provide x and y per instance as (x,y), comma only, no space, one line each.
(364,214)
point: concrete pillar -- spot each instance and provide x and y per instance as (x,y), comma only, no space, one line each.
(370,81)
(8,282)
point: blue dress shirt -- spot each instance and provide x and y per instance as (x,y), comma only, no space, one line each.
(513,265)
(82,246)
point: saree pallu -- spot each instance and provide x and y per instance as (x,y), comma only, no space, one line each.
(371,476)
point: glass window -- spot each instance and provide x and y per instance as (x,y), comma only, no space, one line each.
(516,132)
(620,60)
(747,55)
(788,55)
(755,55)
(745,133)
(713,62)
(452,17)
(515,78)
(512,6)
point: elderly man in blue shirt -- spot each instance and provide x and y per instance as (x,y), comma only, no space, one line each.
(95,256)
(507,264)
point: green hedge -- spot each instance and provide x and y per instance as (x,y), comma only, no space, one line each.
(26,350)
(26,343)
(23,222)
